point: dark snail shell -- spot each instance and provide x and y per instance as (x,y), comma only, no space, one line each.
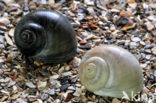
(46,36)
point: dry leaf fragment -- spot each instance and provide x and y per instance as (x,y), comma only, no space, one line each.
(73,72)
(91,24)
(90,17)
(38,63)
(125,14)
(125,28)
(113,7)
(14,76)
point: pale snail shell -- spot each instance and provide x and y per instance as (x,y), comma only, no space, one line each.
(110,70)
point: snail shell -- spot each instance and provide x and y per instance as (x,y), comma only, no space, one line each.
(110,70)
(46,36)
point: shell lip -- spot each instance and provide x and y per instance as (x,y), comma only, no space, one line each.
(56,59)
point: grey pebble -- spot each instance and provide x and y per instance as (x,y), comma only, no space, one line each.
(148,51)
(64,87)
(21,100)
(91,10)
(32,90)
(135,39)
(1,32)
(78,85)
(32,96)
(13,101)
(51,91)
(44,96)
(4,21)
(133,44)
(0,87)
(2,58)
(149,46)
(1,71)
(2,6)
(71,88)
(143,55)
(136,32)
(89,2)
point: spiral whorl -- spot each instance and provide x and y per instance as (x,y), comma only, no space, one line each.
(30,38)
(94,71)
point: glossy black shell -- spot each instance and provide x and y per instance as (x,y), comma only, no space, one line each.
(46,36)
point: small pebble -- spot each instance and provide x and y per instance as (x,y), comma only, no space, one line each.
(4,21)
(122,21)
(21,100)
(78,85)
(30,85)
(149,26)
(51,91)
(8,1)
(115,100)
(33,90)
(66,74)
(11,83)
(71,88)
(154,50)
(135,39)
(44,96)
(64,87)
(1,72)
(136,32)
(2,6)
(2,39)
(54,77)
(148,51)
(9,40)
(115,10)
(89,2)
(86,46)
(83,42)
(76,61)
(41,85)
(133,44)
(91,10)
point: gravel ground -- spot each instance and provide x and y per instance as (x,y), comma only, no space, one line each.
(127,23)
